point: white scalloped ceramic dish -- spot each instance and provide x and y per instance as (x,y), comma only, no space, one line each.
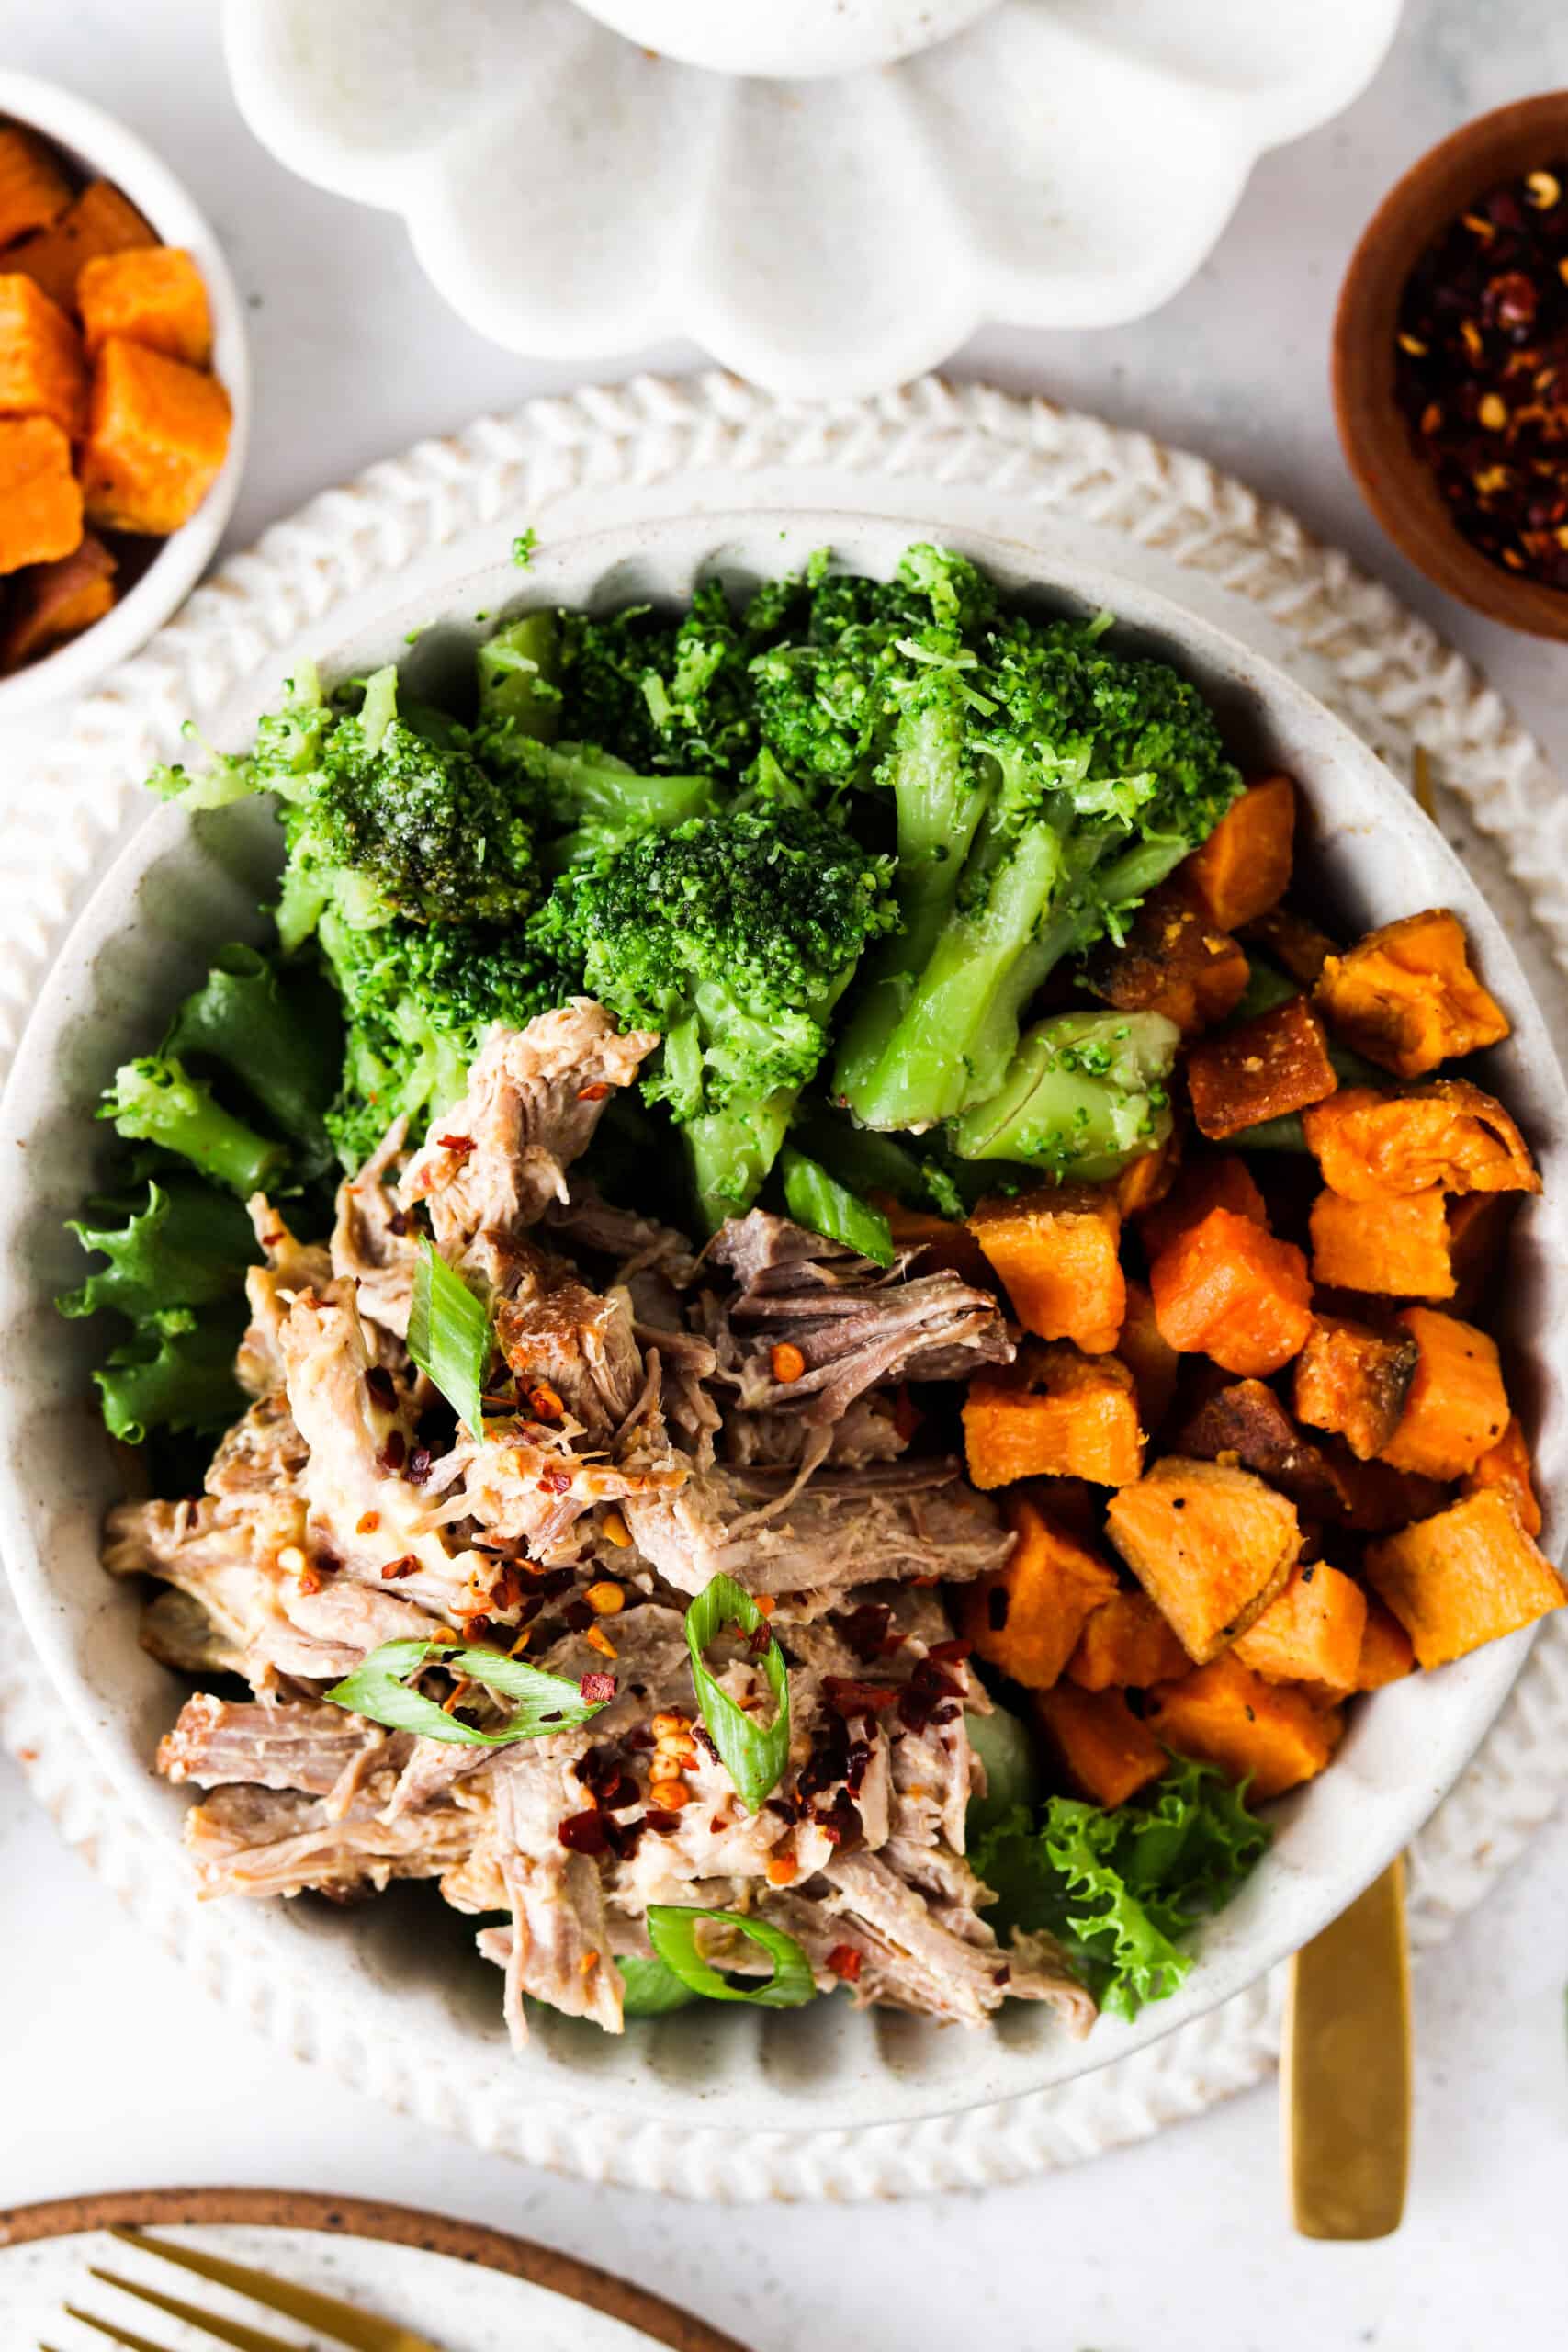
(99,144)
(402,1972)
(572,194)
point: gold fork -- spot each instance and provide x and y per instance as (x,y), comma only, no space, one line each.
(325,2313)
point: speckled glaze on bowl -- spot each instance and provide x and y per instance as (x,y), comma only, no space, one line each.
(400,1968)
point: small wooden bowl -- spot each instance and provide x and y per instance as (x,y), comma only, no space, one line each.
(1395,482)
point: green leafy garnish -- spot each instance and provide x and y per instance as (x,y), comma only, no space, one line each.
(753,1754)
(176,1372)
(523,547)
(818,1202)
(378,1688)
(649,1989)
(673,1931)
(1118,1890)
(449,1337)
(188,1247)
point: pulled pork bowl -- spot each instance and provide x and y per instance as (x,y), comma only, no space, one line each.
(816,1287)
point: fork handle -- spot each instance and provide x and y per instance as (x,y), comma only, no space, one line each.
(1345,2069)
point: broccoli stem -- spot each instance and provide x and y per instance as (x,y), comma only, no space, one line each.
(731,1151)
(1085,1093)
(282,1049)
(517,668)
(822,1204)
(157,1101)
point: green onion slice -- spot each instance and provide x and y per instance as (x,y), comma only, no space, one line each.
(378,1688)
(754,1754)
(822,1204)
(673,1931)
(449,1336)
(648,1989)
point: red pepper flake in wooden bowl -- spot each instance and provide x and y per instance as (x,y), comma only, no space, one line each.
(1481,371)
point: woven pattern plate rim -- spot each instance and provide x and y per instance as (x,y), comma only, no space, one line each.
(1388,674)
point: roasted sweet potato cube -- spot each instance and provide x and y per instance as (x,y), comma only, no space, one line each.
(152,295)
(1464,1577)
(1026,1617)
(1398,1246)
(1245,1422)
(1506,1466)
(100,222)
(1478,1236)
(1149,1357)
(1356,1381)
(1386,1653)
(1228,1290)
(157,435)
(40,502)
(1244,868)
(1056,1252)
(52,602)
(1448,1133)
(34,190)
(1376,1498)
(1312,1634)
(942,1241)
(1147,1180)
(1172,961)
(1456,1408)
(1211,1546)
(1055,1413)
(1105,1752)
(1126,1644)
(42,370)
(1218,1180)
(1263,1069)
(1405,996)
(1294,943)
(1263,1733)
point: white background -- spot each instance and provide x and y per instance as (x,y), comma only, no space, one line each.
(119,2072)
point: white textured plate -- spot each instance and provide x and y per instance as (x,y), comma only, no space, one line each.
(626,488)
(1060,163)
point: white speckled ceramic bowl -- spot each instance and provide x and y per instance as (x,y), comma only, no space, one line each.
(401,1969)
(101,147)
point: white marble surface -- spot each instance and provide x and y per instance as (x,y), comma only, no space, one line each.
(120,2072)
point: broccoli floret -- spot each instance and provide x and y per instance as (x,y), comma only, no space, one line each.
(1084,1095)
(157,1101)
(665,694)
(1039,785)
(734,936)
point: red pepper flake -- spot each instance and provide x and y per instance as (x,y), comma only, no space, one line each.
(846,1963)
(850,1697)
(584,1833)
(461,1145)
(556,1482)
(399,1222)
(661,1822)
(394,1453)
(595,1093)
(597,1689)
(543,1404)
(395,1570)
(947,1653)
(787,1362)
(382,1387)
(417,1469)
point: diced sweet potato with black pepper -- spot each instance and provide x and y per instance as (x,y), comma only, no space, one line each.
(1386,1652)
(152,295)
(1172,961)
(1312,1634)
(1218,1180)
(1244,868)
(1058,1253)
(942,1241)
(1406,996)
(1211,1546)
(157,436)
(1354,1380)
(100,222)
(1456,1407)
(1149,1357)
(1263,1733)
(1397,1246)
(1103,1748)
(1126,1644)
(1263,1069)
(1245,1422)
(1289,940)
(41,500)
(1464,1577)
(1229,1290)
(52,602)
(42,372)
(34,190)
(1448,1133)
(1506,1466)
(1054,1413)
(1026,1618)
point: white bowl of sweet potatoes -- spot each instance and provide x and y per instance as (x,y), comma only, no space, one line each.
(124,392)
(1363,857)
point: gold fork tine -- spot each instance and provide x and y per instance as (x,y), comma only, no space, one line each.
(116,2334)
(223,2331)
(359,2330)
